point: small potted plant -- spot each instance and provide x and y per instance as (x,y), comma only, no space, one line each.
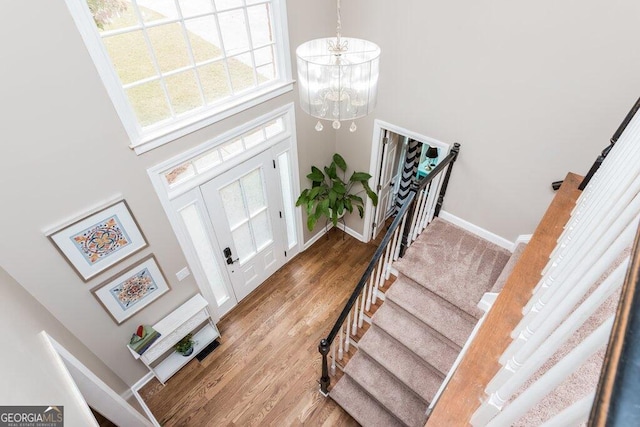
(331,195)
(185,345)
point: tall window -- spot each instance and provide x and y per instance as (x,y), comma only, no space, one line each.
(180,63)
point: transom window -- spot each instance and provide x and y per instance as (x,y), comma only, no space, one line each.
(180,61)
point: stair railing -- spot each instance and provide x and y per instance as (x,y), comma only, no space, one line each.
(423,203)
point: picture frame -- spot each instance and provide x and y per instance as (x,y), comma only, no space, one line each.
(99,240)
(128,292)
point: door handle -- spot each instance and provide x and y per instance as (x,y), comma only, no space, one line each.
(229,256)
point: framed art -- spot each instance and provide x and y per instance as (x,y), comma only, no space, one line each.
(127,293)
(99,240)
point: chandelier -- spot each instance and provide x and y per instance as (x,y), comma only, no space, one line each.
(338,78)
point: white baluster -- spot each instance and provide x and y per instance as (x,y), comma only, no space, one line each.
(588,255)
(572,289)
(370,294)
(383,266)
(363,299)
(399,241)
(489,413)
(573,415)
(354,327)
(377,273)
(434,194)
(392,249)
(538,349)
(340,347)
(347,327)
(333,358)
(414,217)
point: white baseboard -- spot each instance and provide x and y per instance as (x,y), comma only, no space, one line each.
(478,231)
(325,230)
(523,238)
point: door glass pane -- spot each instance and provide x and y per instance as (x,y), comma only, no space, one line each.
(262,229)
(204,251)
(287,199)
(243,242)
(254,192)
(231,196)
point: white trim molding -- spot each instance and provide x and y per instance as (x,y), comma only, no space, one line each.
(478,231)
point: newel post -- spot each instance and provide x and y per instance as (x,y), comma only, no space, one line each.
(445,183)
(323,348)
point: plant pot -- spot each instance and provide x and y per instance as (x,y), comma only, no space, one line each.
(188,352)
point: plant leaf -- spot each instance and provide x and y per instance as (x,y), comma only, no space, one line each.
(316,175)
(356,199)
(339,187)
(361,211)
(348,205)
(360,177)
(372,195)
(303,198)
(311,222)
(339,161)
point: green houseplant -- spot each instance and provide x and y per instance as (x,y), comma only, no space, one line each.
(185,345)
(331,195)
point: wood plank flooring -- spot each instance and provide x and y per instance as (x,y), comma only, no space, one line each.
(266,369)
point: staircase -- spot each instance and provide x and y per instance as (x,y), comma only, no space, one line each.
(418,332)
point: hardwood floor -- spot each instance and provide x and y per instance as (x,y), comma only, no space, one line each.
(266,369)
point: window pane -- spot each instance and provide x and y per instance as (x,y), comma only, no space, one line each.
(113,15)
(231,196)
(203,36)
(274,128)
(204,252)
(149,103)
(287,198)
(130,56)
(253,139)
(179,174)
(213,78)
(243,242)
(227,4)
(207,161)
(234,32)
(254,192)
(184,92)
(241,72)
(169,46)
(264,55)
(261,227)
(231,149)
(195,7)
(249,2)
(154,10)
(260,24)
(266,73)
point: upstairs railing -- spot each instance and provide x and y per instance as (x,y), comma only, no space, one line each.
(418,210)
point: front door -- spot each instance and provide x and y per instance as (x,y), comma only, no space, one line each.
(245,208)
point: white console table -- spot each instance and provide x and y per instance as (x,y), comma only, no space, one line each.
(191,317)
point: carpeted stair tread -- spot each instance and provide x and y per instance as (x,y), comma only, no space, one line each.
(414,372)
(390,392)
(506,271)
(454,324)
(360,405)
(416,336)
(454,264)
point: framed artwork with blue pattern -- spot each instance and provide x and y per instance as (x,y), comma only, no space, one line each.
(125,294)
(99,240)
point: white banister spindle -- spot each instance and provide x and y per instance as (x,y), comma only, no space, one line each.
(363,301)
(392,251)
(333,358)
(416,213)
(377,273)
(588,256)
(370,293)
(625,206)
(539,348)
(573,415)
(347,327)
(383,265)
(571,291)
(490,416)
(399,241)
(434,193)
(354,327)
(340,343)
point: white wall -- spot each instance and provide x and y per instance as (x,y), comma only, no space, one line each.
(30,373)
(532,90)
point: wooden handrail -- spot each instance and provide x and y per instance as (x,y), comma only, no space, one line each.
(617,401)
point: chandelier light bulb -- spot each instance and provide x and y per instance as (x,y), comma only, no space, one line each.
(319,126)
(353,127)
(336,124)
